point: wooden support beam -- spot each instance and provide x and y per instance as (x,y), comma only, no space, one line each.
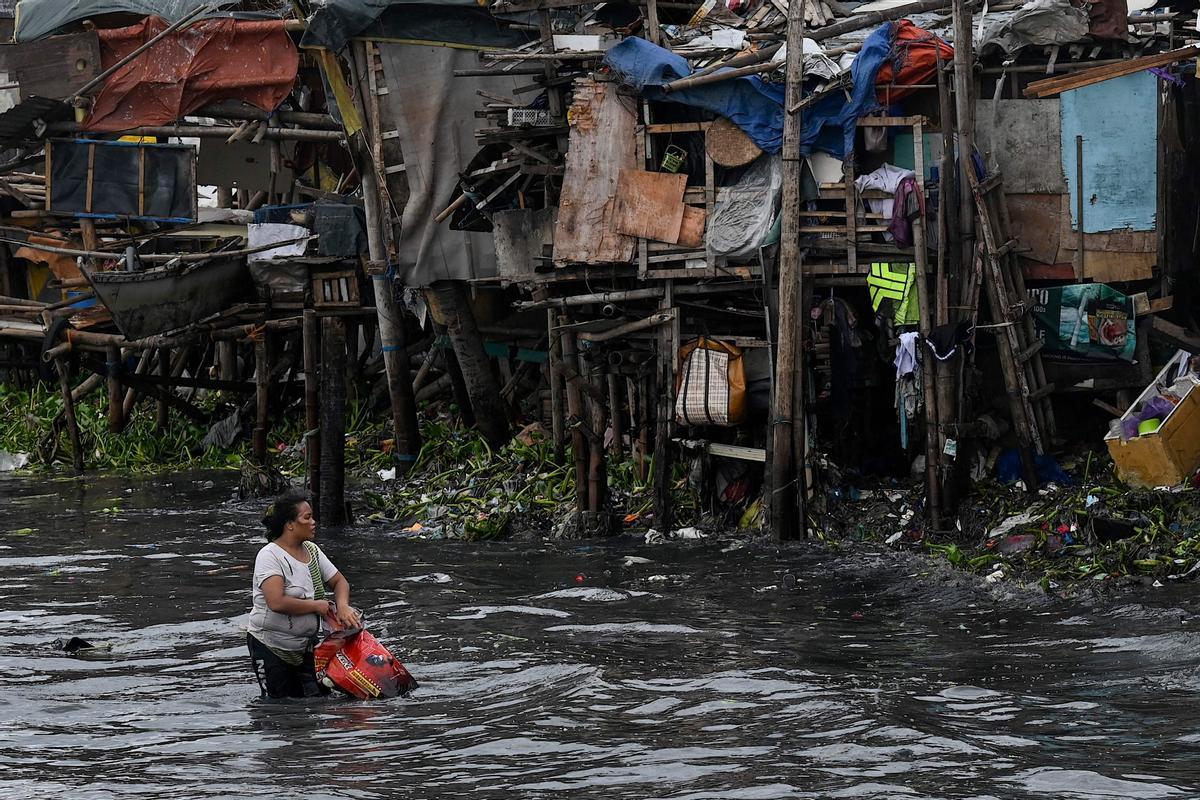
(556,387)
(162,415)
(570,358)
(116,416)
(787,407)
(311,343)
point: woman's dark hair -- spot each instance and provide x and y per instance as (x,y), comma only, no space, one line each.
(284,509)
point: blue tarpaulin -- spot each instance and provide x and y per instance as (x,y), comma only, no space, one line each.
(749,102)
(755,105)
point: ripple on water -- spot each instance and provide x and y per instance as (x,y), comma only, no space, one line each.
(532,690)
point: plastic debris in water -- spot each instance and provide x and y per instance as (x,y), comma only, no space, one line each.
(12,461)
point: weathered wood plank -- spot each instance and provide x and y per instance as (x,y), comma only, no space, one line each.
(602,144)
(649,205)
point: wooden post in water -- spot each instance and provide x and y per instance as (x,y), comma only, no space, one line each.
(787,401)
(597,463)
(333,422)
(457,383)
(312,406)
(116,417)
(451,308)
(615,381)
(575,416)
(162,416)
(928,370)
(406,431)
(556,388)
(663,452)
(227,359)
(64,383)
(262,383)
(949,273)
(131,394)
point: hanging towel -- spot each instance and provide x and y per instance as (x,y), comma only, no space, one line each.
(906,355)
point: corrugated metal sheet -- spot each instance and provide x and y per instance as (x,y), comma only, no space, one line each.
(21,122)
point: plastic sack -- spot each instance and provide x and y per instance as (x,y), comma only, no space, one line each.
(710,388)
(745,211)
(354,661)
(1157,407)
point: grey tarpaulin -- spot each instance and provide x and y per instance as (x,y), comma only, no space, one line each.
(434,113)
(1042,22)
(334,22)
(38,18)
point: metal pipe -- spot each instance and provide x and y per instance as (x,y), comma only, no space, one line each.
(652,321)
(207,132)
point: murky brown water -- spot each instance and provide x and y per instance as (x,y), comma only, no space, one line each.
(568,671)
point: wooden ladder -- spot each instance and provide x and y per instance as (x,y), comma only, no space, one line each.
(1017,339)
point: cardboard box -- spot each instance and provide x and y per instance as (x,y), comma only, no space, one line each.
(1170,455)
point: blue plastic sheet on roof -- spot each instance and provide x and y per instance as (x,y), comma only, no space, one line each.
(752,104)
(755,105)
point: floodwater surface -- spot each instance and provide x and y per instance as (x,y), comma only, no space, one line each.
(569,670)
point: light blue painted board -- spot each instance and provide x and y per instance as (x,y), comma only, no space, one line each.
(1118,120)
(902,149)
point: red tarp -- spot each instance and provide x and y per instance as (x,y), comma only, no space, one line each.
(215,59)
(913,61)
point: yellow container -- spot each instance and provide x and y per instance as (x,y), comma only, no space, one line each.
(1167,456)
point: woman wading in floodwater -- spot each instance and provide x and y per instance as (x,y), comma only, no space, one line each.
(290,576)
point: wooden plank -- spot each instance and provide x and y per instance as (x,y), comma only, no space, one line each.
(649,205)
(1174,335)
(602,143)
(1053,86)
(735,451)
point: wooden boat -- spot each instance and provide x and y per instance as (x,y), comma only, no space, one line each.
(153,301)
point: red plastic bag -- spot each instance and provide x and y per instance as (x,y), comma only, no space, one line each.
(352,660)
